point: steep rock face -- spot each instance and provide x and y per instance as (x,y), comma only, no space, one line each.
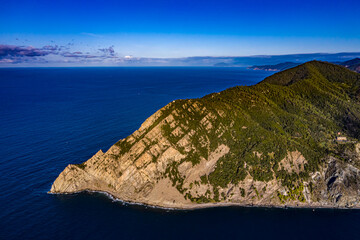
(337,185)
(269,144)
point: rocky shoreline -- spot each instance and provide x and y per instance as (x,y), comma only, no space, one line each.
(208,205)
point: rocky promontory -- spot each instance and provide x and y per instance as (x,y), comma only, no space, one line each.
(291,140)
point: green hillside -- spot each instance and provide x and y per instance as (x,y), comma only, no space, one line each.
(298,109)
(292,139)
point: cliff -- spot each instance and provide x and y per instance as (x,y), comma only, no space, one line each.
(274,143)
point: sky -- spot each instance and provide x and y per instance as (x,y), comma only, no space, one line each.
(106,32)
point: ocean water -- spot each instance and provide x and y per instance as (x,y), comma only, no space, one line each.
(50,117)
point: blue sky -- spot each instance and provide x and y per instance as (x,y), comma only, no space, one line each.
(166,29)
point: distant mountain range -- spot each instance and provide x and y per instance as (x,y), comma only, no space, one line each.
(353,64)
(54,56)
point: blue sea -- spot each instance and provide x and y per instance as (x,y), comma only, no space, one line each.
(50,117)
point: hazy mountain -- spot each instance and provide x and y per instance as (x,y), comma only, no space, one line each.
(276,67)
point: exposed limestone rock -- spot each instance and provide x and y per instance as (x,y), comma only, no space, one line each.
(339,181)
(205,167)
(293,162)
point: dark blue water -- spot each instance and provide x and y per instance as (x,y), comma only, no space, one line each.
(52,117)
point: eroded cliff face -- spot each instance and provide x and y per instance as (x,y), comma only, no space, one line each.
(269,144)
(141,173)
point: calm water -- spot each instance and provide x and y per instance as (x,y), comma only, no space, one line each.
(52,117)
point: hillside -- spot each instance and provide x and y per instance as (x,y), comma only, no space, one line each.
(355,68)
(292,139)
(353,64)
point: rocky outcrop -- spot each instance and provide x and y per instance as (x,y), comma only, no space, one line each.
(338,185)
(140,174)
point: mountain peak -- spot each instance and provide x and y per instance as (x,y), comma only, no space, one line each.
(314,70)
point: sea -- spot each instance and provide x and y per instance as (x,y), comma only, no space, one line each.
(50,117)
